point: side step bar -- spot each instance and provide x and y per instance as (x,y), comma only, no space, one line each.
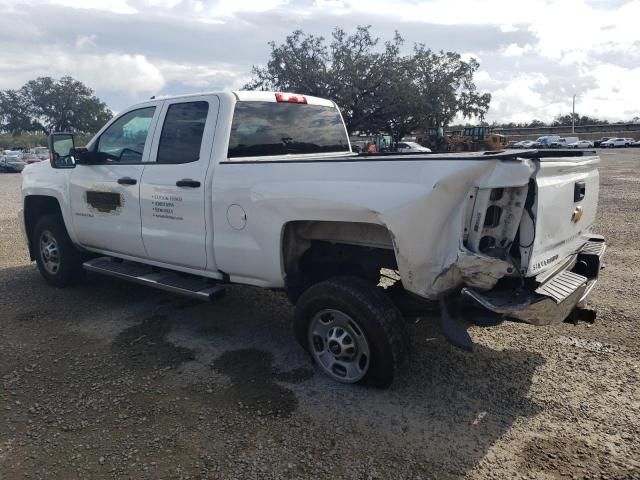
(174,282)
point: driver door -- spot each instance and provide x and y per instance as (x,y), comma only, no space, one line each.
(105,196)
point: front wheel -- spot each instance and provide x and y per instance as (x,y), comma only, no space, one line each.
(59,262)
(353,332)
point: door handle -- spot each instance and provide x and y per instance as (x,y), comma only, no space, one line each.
(187,182)
(127,181)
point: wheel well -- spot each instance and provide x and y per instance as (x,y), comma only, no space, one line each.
(36,206)
(314,251)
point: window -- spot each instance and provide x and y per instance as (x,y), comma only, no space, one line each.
(268,128)
(124,140)
(181,136)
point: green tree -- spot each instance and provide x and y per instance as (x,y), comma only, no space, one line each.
(565,120)
(377,88)
(446,88)
(14,112)
(52,105)
(349,70)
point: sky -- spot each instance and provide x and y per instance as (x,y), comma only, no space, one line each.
(534,55)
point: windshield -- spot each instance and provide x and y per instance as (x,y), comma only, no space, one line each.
(268,128)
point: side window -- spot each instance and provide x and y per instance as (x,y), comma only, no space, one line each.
(124,140)
(182,132)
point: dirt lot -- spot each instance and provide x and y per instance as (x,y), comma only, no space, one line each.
(113,380)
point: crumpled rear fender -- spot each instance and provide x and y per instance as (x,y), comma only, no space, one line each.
(428,232)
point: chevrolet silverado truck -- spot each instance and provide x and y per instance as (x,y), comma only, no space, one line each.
(190,193)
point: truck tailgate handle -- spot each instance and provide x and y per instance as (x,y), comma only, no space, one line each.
(127,181)
(187,182)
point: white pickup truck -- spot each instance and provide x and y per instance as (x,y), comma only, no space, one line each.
(190,193)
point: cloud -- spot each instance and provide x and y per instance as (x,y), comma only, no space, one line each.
(532,59)
(515,50)
(129,74)
(117,6)
(86,41)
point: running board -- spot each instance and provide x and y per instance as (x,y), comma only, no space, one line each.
(170,281)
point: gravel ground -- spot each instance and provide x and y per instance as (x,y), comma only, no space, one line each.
(113,380)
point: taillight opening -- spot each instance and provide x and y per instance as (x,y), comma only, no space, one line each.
(289,98)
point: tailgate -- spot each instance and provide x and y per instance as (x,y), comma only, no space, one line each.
(565,208)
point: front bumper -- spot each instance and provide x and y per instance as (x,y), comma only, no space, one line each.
(23,230)
(552,301)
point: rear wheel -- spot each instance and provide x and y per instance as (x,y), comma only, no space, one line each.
(59,262)
(353,332)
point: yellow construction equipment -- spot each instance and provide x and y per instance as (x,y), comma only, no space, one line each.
(469,139)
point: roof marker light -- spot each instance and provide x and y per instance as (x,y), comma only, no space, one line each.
(289,98)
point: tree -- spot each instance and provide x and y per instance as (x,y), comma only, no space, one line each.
(377,88)
(565,120)
(445,87)
(349,70)
(48,105)
(14,116)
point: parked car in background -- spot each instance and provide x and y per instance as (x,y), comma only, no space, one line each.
(581,144)
(617,142)
(412,147)
(41,152)
(598,143)
(30,158)
(12,161)
(545,141)
(636,144)
(563,142)
(524,144)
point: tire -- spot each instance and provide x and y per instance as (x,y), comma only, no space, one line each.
(58,260)
(360,335)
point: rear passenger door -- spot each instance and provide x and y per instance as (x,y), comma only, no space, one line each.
(174,190)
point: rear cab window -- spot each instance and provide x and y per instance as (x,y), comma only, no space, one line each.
(261,128)
(182,132)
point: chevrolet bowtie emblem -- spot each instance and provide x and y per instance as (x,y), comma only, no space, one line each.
(577,215)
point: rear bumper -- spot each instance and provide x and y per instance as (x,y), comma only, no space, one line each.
(552,301)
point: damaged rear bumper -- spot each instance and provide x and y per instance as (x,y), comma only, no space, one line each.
(554,299)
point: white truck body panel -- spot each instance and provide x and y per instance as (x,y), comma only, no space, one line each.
(174,223)
(557,234)
(232,227)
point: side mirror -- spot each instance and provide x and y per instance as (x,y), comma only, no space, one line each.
(61,150)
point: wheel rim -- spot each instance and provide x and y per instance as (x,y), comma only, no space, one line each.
(339,346)
(49,252)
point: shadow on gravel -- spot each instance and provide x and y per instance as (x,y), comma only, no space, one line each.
(465,401)
(252,382)
(145,345)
